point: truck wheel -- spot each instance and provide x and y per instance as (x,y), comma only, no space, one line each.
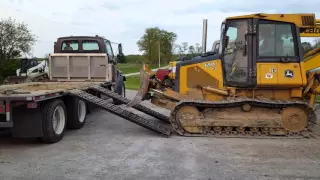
(54,121)
(77,113)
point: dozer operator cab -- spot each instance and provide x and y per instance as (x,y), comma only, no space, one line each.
(253,48)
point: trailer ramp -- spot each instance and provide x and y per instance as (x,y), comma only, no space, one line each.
(120,111)
(124,100)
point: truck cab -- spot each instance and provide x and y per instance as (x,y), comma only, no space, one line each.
(87,44)
(86,58)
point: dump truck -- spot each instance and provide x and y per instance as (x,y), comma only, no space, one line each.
(260,85)
(82,74)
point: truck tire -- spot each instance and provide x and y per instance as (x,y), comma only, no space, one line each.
(54,120)
(77,113)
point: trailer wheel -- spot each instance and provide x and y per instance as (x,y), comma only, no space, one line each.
(54,121)
(77,113)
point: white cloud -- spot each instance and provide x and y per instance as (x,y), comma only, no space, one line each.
(125,20)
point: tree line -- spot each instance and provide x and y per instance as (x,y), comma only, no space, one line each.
(307,46)
(17,40)
(156,42)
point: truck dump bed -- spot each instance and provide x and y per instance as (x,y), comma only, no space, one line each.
(80,67)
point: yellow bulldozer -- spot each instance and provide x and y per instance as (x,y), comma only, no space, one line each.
(260,83)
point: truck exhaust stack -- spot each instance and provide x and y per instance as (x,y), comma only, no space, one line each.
(204,36)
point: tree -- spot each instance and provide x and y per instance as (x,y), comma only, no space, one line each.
(306,46)
(317,43)
(191,50)
(185,47)
(154,39)
(15,38)
(198,49)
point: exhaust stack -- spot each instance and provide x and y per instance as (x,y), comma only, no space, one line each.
(204,36)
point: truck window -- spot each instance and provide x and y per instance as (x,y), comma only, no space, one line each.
(70,46)
(90,45)
(109,50)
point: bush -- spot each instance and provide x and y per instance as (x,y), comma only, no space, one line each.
(8,68)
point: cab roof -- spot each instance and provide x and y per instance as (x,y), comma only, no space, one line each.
(305,20)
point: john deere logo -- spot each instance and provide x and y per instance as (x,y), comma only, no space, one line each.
(288,73)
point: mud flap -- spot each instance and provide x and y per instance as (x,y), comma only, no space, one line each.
(119,84)
(144,87)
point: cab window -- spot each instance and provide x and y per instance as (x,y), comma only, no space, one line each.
(90,45)
(276,40)
(235,63)
(70,46)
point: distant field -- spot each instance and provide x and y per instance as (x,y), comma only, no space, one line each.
(132,68)
(132,82)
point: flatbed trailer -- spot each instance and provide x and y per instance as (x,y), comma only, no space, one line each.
(46,109)
(76,82)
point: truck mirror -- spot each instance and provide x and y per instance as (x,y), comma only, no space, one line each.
(120,49)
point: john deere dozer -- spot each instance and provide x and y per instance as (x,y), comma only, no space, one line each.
(260,82)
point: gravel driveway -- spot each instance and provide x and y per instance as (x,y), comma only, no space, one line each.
(109,147)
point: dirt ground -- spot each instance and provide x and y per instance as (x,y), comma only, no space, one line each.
(109,147)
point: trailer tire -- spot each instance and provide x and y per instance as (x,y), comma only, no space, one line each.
(53,133)
(77,113)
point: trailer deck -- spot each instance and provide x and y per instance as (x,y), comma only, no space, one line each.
(28,91)
(23,105)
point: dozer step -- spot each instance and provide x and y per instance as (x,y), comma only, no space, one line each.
(117,110)
(124,100)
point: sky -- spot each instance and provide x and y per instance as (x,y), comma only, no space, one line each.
(124,21)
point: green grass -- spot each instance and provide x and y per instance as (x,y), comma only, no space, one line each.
(132,82)
(317,99)
(132,68)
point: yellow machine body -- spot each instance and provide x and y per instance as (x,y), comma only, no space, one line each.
(245,88)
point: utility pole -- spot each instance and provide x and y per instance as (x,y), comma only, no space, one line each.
(159,54)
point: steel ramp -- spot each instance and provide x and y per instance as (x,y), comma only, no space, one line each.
(120,111)
(124,100)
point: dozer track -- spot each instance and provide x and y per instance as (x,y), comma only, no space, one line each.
(117,110)
(124,100)
(247,132)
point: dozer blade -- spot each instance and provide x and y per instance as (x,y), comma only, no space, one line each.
(144,87)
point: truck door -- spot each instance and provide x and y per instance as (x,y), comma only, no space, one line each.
(276,52)
(239,68)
